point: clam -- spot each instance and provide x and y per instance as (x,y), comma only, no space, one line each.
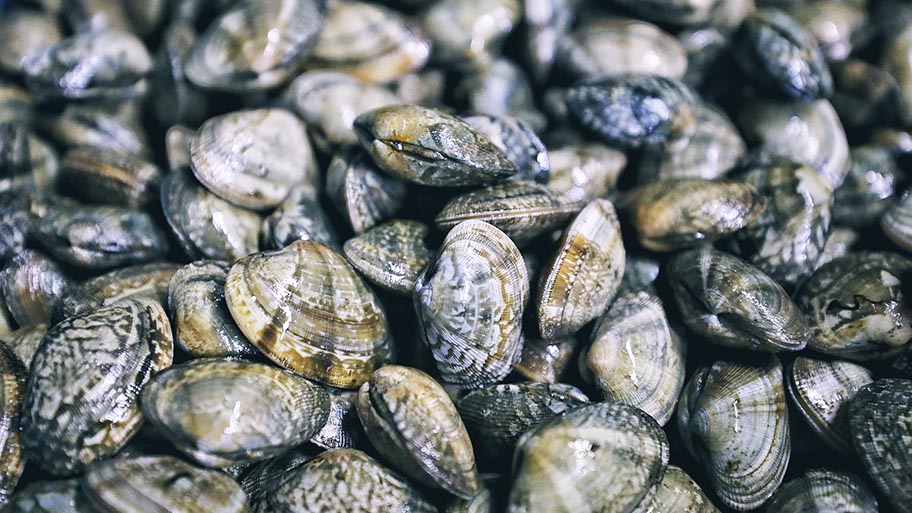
(414,425)
(71,419)
(469,32)
(100,126)
(28,163)
(584,274)
(425,87)
(97,175)
(391,255)
(202,324)
(880,421)
(838,244)
(636,357)
(734,421)
(545,361)
(820,491)
(299,217)
(601,457)
(429,147)
(679,12)
(213,410)
(12,389)
(138,281)
(866,193)
(307,310)
(896,220)
(63,496)
(342,427)
(547,22)
(676,492)
(177,101)
(734,304)
(501,89)
(856,307)
(27,33)
(253,158)
(31,283)
(362,193)
(585,171)
(865,95)
(837,26)
(897,61)
(15,223)
(518,142)
(25,341)
(640,271)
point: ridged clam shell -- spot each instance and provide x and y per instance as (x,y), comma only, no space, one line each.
(62,496)
(98,175)
(98,125)
(600,457)
(469,32)
(306,309)
(26,33)
(31,283)
(585,171)
(12,389)
(25,341)
(822,491)
(363,194)
(822,390)
(71,419)
(545,360)
(470,301)
(214,411)
(392,255)
(414,425)
(299,217)
(584,274)
(868,188)
(734,304)
(897,222)
(734,421)
(519,143)
(635,356)
(342,427)
(677,492)
(138,281)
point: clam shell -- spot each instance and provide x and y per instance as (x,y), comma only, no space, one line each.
(820,491)
(12,389)
(896,222)
(342,427)
(501,89)
(300,217)
(865,94)
(676,492)
(547,22)
(865,194)
(677,12)
(361,193)
(469,32)
(25,341)
(97,175)
(15,103)
(545,361)
(897,61)
(837,26)
(139,281)
(176,100)
(29,164)
(26,33)
(63,496)
(15,223)
(838,244)
(100,126)
(31,283)
(519,142)
(306,309)
(391,255)
(585,171)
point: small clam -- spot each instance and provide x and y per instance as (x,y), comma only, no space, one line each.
(253,158)
(470,301)
(734,420)
(547,22)
(25,341)
(545,361)
(734,304)
(31,283)
(62,496)
(363,194)
(896,221)
(306,309)
(469,32)
(822,390)
(342,427)
(601,457)
(501,89)
(868,188)
(677,492)
(414,425)
(865,95)
(213,410)
(585,171)
(100,126)
(299,217)
(635,356)
(391,255)
(71,419)
(96,175)
(880,420)
(12,390)
(823,491)
(519,143)
(138,281)
(429,147)
(837,26)
(26,33)
(177,101)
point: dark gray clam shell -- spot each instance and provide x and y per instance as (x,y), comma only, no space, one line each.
(31,283)
(363,194)
(519,142)
(821,491)
(97,175)
(299,217)
(138,281)
(391,255)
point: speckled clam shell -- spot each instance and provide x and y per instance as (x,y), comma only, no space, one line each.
(98,125)
(429,147)
(676,492)
(469,33)
(255,44)
(98,175)
(821,491)
(880,420)
(25,341)
(470,301)
(414,425)
(15,223)
(300,217)
(622,453)
(369,42)
(61,496)
(678,213)
(896,222)
(585,171)
(363,194)
(522,210)
(306,309)
(162,483)
(635,356)
(138,281)
(497,415)
(584,274)
(821,390)
(12,390)
(501,89)
(734,420)
(343,427)
(202,323)
(31,283)
(868,189)
(545,361)
(26,33)
(856,306)
(734,304)
(71,419)
(518,141)
(253,158)
(547,22)
(195,405)
(391,255)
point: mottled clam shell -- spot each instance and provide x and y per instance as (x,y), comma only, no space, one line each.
(213,410)
(896,222)
(138,281)
(202,323)
(501,89)
(300,217)
(90,65)
(429,147)
(369,42)
(635,356)
(391,255)
(29,164)
(822,390)
(880,420)
(31,283)
(12,389)
(363,194)
(96,175)
(682,212)
(822,491)
(176,100)
(734,304)
(100,126)
(26,33)
(856,307)
(15,223)
(838,244)
(497,415)
(63,496)
(866,193)
(342,427)
(545,361)
(71,419)
(307,310)
(414,425)
(255,44)
(865,95)
(676,492)
(585,171)
(470,301)
(518,142)
(547,22)
(734,421)
(253,158)
(469,32)
(600,457)
(837,26)
(25,341)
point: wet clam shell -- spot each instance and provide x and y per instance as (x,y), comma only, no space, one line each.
(299,217)
(362,193)
(838,244)
(27,33)
(487,500)
(276,157)
(25,341)
(15,223)
(545,361)
(622,453)
(138,281)
(469,32)
(676,492)
(678,12)
(391,255)
(97,175)
(519,142)
(868,189)
(29,164)
(414,425)
(306,309)
(547,22)
(837,26)
(585,171)
(819,491)
(343,427)
(734,420)
(501,89)
(12,390)
(473,342)
(177,101)
(896,222)
(213,410)
(31,283)
(71,419)
(865,94)
(100,126)
(63,496)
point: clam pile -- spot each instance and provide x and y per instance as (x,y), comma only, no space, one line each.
(442,256)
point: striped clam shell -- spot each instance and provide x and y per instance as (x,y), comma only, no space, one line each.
(823,490)
(392,255)
(676,492)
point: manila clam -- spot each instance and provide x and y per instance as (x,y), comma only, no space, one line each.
(519,143)
(585,171)
(820,491)
(677,492)
(138,281)
(363,194)
(31,283)
(299,217)
(392,255)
